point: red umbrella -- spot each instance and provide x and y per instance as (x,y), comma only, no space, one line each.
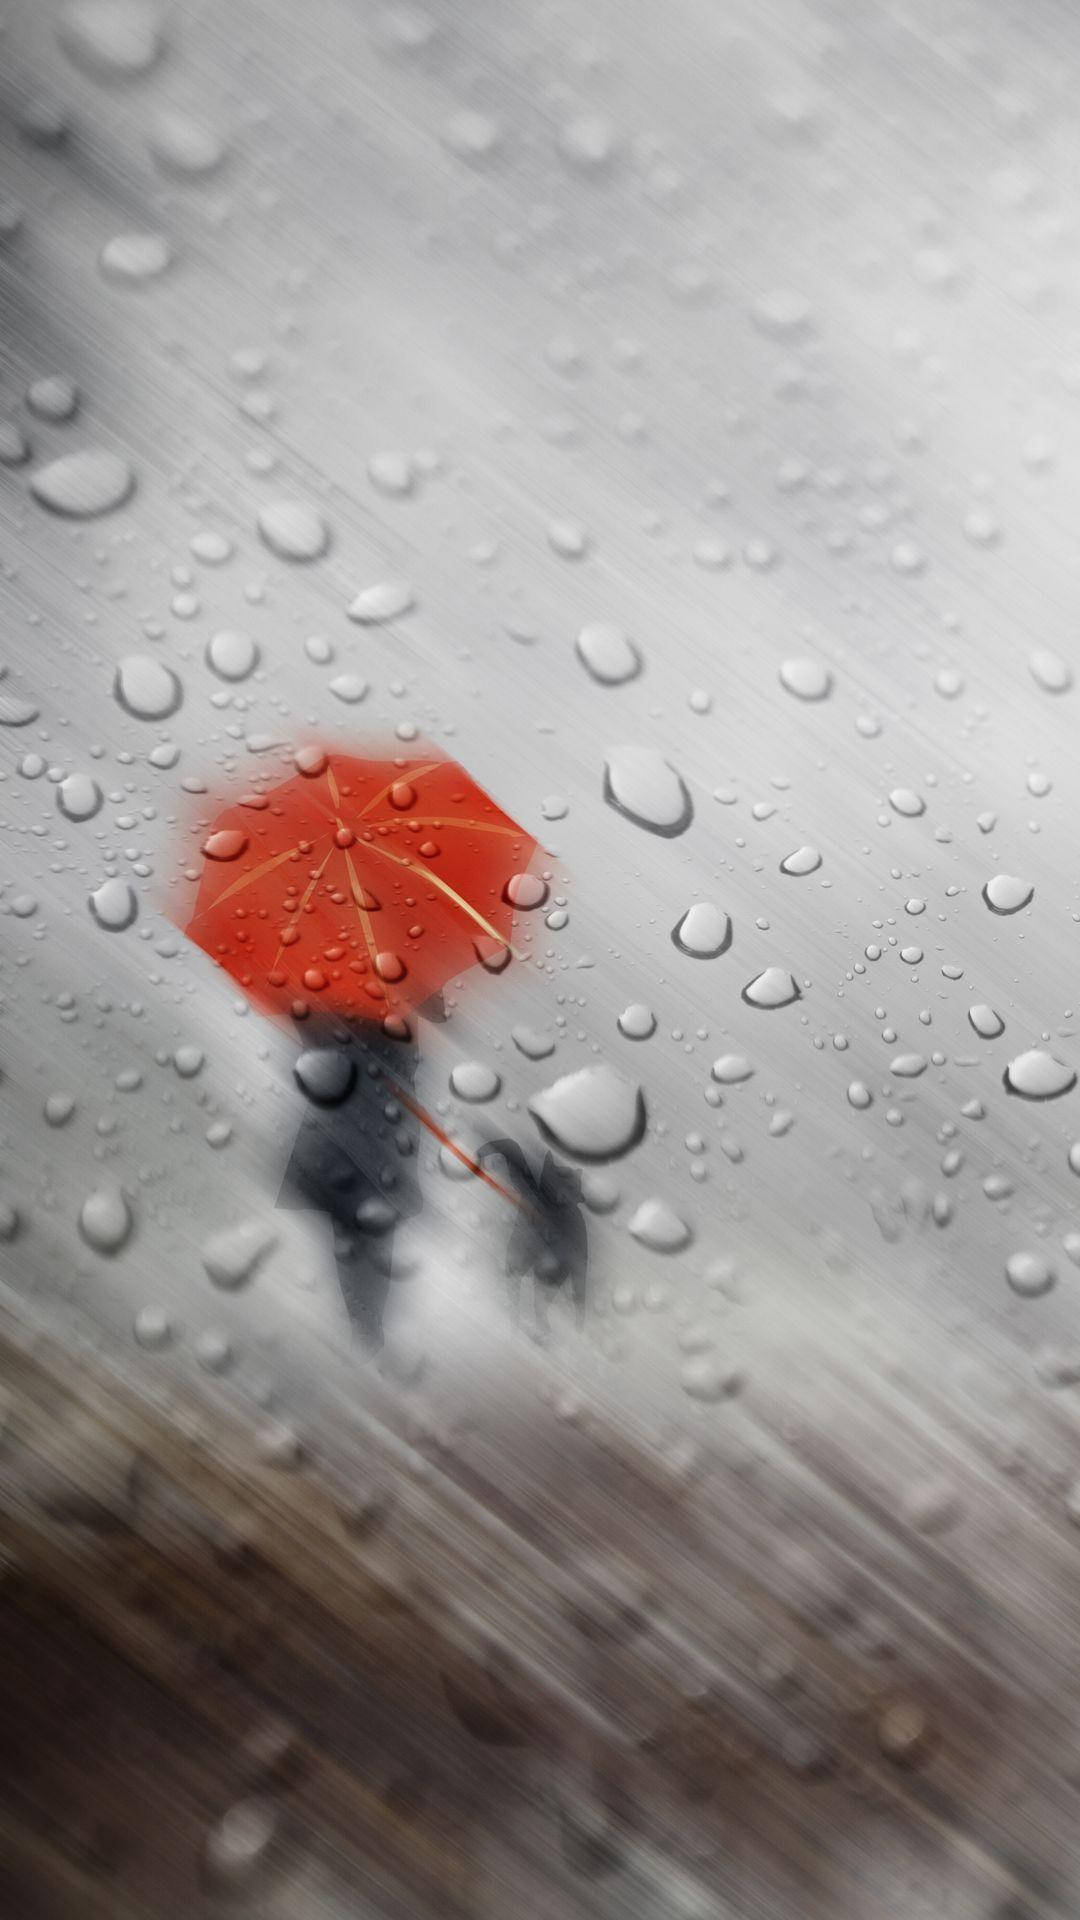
(359,887)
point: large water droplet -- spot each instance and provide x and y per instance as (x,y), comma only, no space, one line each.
(657,1226)
(594,1114)
(807,679)
(731,1069)
(608,654)
(105,1220)
(773,988)
(386,600)
(804,860)
(704,931)
(114,905)
(705,1377)
(1004,893)
(533,1042)
(111,39)
(231,654)
(82,485)
(78,797)
(986,1022)
(326,1074)
(227,844)
(231,1256)
(475,1081)
(908,1066)
(293,530)
(1049,671)
(637,1021)
(183,145)
(146,688)
(15,712)
(1029,1274)
(1037,1075)
(131,259)
(639,783)
(906,801)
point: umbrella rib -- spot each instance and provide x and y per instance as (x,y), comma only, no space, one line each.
(480,826)
(399,860)
(298,910)
(249,879)
(417,774)
(362,913)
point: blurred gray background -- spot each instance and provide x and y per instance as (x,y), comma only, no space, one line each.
(749,331)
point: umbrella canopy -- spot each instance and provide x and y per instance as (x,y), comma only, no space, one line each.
(359,887)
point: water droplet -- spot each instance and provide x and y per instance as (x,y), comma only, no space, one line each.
(731,1069)
(188,1060)
(525,891)
(594,1114)
(111,39)
(231,654)
(238,1845)
(908,1066)
(533,1042)
(184,145)
(59,1108)
(326,1074)
(657,1226)
(1004,893)
(227,844)
(131,259)
(152,1328)
(773,988)
(105,1220)
(707,1378)
(1029,1274)
(804,860)
(54,398)
(639,783)
(1049,671)
(82,485)
(471,135)
(473,1080)
(587,141)
(608,654)
(78,797)
(231,1257)
(392,474)
(293,530)
(146,688)
(213,1351)
(637,1021)
(15,712)
(807,679)
(386,600)
(704,931)
(904,800)
(1037,1075)
(985,1021)
(349,688)
(114,905)
(859,1095)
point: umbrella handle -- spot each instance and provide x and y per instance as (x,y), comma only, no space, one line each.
(429,1121)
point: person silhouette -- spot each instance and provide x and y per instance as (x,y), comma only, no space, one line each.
(354,1157)
(354,1161)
